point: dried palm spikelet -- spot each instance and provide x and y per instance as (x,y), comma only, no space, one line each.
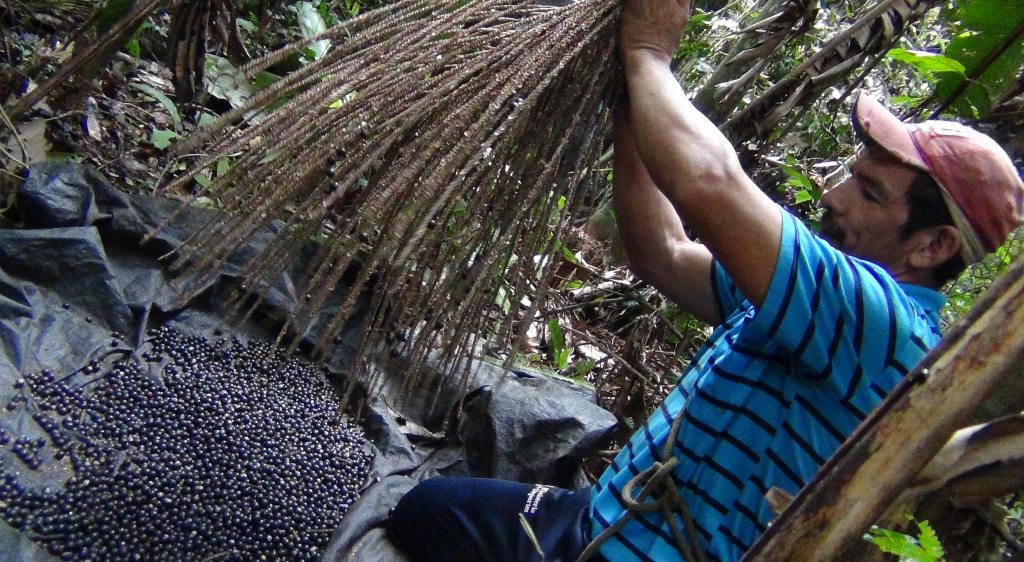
(447,141)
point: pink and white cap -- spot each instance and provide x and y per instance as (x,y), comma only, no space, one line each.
(980,185)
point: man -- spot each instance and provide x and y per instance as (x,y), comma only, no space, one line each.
(811,335)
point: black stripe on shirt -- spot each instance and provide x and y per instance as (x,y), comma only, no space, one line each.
(900,367)
(807,448)
(858,374)
(789,472)
(732,538)
(724,472)
(724,435)
(833,347)
(878,390)
(622,540)
(767,427)
(858,314)
(758,354)
(812,326)
(790,287)
(755,384)
(919,342)
(750,515)
(822,420)
(761,486)
(854,410)
(890,349)
(712,502)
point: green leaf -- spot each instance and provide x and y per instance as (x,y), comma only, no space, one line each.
(246,24)
(569,256)
(160,97)
(134,49)
(806,195)
(311,24)
(557,337)
(926,62)
(924,548)
(205,119)
(797,178)
(562,359)
(224,81)
(162,139)
(222,167)
(561,202)
(584,366)
(983,26)
(203,180)
(928,541)
(262,79)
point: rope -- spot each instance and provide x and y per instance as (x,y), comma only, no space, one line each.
(658,475)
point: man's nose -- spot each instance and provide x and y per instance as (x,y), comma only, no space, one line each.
(833,199)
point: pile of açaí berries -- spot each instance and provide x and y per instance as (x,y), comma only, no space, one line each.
(223,455)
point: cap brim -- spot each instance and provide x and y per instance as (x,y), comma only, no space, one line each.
(874,121)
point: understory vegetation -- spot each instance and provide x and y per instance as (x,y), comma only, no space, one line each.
(778,77)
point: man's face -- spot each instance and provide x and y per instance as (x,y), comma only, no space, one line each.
(864,214)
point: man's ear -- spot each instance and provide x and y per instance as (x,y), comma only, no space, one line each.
(934,246)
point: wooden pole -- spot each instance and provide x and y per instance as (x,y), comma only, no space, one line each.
(877,462)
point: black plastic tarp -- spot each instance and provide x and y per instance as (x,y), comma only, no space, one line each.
(72,272)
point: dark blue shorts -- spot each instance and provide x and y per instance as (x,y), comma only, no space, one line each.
(477,519)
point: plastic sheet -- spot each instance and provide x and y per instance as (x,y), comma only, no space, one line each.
(72,272)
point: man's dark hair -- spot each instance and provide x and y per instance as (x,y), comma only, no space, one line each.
(927,209)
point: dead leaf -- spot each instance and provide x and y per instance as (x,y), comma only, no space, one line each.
(33,134)
(91,122)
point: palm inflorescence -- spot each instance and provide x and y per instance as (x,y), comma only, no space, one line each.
(440,145)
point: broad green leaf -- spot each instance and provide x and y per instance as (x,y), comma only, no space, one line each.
(797,178)
(222,167)
(926,62)
(160,97)
(311,23)
(224,81)
(982,26)
(162,139)
(262,79)
(584,366)
(245,24)
(203,180)
(205,119)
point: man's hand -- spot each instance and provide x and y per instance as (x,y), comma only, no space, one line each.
(653,25)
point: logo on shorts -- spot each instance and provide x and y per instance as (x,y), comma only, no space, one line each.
(533,498)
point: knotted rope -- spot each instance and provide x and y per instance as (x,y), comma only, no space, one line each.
(658,475)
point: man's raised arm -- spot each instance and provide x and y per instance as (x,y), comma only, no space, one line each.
(689,160)
(658,248)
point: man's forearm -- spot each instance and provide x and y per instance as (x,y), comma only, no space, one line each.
(696,168)
(653,235)
(664,119)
